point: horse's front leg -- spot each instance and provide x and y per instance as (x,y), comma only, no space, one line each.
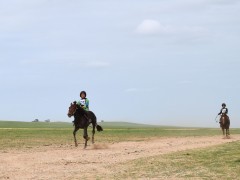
(227,132)
(85,136)
(74,135)
(223,132)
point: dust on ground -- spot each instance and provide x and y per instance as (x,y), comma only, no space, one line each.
(98,160)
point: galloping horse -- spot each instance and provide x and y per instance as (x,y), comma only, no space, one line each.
(82,122)
(224,124)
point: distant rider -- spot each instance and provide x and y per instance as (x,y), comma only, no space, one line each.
(223,111)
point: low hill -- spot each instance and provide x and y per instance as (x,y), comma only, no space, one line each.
(19,124)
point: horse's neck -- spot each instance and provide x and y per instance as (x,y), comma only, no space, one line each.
(224,115)
(80,119)
(224,119)
(79,113)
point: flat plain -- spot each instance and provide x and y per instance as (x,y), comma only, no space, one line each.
(30,150)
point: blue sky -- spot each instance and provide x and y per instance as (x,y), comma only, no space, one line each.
(168,62)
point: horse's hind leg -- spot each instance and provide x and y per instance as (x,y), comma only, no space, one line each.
(85,136)
(74,135)
(227,132)
(93,132)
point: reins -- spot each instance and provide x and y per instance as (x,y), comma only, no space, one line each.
(216,118)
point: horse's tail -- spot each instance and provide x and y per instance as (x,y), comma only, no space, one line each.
(99,128)
(94,119)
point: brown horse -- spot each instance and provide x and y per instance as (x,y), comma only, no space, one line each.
(81,121)
(224,124)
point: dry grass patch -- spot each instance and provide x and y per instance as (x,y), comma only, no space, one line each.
(219,162)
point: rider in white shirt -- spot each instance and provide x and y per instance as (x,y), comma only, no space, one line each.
(84,102)
(223,111)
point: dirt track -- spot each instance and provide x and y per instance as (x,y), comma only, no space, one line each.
(68,162)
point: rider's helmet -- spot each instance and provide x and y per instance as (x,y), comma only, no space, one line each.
(83,92)
(223,104)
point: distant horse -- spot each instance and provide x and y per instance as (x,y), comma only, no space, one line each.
(82,122)
(224,124)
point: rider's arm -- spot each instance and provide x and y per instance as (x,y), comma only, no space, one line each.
(87,104)
(226,110)
(220,112)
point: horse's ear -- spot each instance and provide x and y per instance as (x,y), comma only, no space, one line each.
(74,102)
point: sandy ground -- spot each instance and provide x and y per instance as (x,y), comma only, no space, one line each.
(99,160)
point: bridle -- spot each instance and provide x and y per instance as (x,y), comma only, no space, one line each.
(72,112)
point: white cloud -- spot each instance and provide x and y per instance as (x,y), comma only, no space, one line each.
(67,62)
(218,2)
(155,27)
(150,26)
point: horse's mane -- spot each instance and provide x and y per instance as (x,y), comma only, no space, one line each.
(80,110)
(79,116)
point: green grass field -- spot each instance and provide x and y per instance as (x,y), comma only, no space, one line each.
(31,134)
(218,162)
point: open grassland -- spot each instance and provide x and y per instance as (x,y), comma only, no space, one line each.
(31,134)
(218,162)
(30,150)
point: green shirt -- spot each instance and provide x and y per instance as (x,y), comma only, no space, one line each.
(84,103)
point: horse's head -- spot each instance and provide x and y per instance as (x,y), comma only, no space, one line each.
(72,109)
